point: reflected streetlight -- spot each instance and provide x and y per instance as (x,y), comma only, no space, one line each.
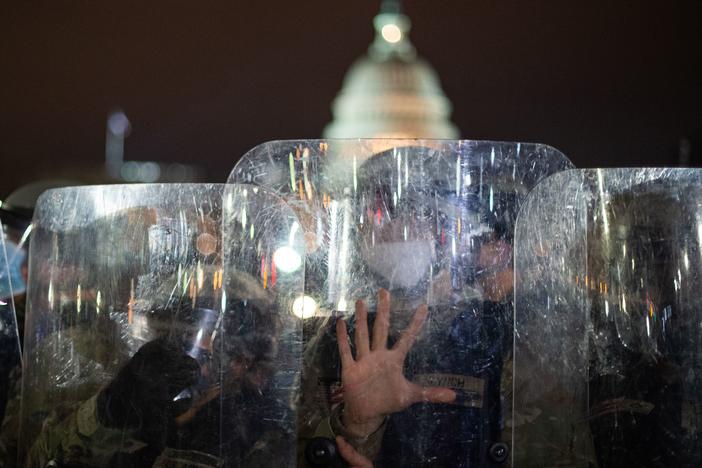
(287,259)
(304,307)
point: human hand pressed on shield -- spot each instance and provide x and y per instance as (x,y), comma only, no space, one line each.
(374,383)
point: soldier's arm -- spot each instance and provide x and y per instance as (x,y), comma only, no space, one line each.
(79,438)
(316,417)
(367,445)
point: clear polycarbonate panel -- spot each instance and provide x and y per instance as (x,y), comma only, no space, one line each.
(431,223)
(608,350)
(143,346)
(10,356)
(264,272)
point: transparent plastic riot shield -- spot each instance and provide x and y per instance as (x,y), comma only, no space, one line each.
(10,356)
(264,273)
(144,346)
(608,349)
(420,232)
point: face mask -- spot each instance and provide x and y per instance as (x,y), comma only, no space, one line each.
(402,264)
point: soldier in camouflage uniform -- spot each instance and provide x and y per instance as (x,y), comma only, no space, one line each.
(171,405)
(422,388)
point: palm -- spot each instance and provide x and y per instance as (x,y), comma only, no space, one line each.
(374,382)
(375,385)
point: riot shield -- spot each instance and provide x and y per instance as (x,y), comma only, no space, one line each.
(144,345)
(10,356)
(407,312)
(607,344)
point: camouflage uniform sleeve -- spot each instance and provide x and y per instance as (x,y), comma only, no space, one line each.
(79,439)
(331,426)
(318,418)
(368,445)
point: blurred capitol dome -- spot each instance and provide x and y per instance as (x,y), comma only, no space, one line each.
(390,92)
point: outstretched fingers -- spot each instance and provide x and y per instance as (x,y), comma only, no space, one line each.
(361,335)
(404,344)
(342,339)
(382,321)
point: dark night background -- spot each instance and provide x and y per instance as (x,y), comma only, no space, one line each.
(611,83)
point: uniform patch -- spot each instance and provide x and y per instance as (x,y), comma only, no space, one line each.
(469,390)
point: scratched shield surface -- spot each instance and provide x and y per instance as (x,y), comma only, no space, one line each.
(157,330)
(431,222)
(607,342)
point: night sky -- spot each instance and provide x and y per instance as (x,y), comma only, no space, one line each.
(610,83)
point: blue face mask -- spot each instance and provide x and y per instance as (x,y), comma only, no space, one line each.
(11,280)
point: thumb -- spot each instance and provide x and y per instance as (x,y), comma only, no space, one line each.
(433,394)
(351,456)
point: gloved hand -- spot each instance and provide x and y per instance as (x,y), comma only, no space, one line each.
(141,395)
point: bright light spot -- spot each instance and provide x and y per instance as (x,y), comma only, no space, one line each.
(291,161)
(605,222)
(200,276)
(406,172)
(342,306)
(391,33)
(458,176)
(606,308)
(118,123)
(224,300)
(287,259)
(293,230)
(648,326)
(399,175)
(304,307)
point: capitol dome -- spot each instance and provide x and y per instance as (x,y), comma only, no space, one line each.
(390,92)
